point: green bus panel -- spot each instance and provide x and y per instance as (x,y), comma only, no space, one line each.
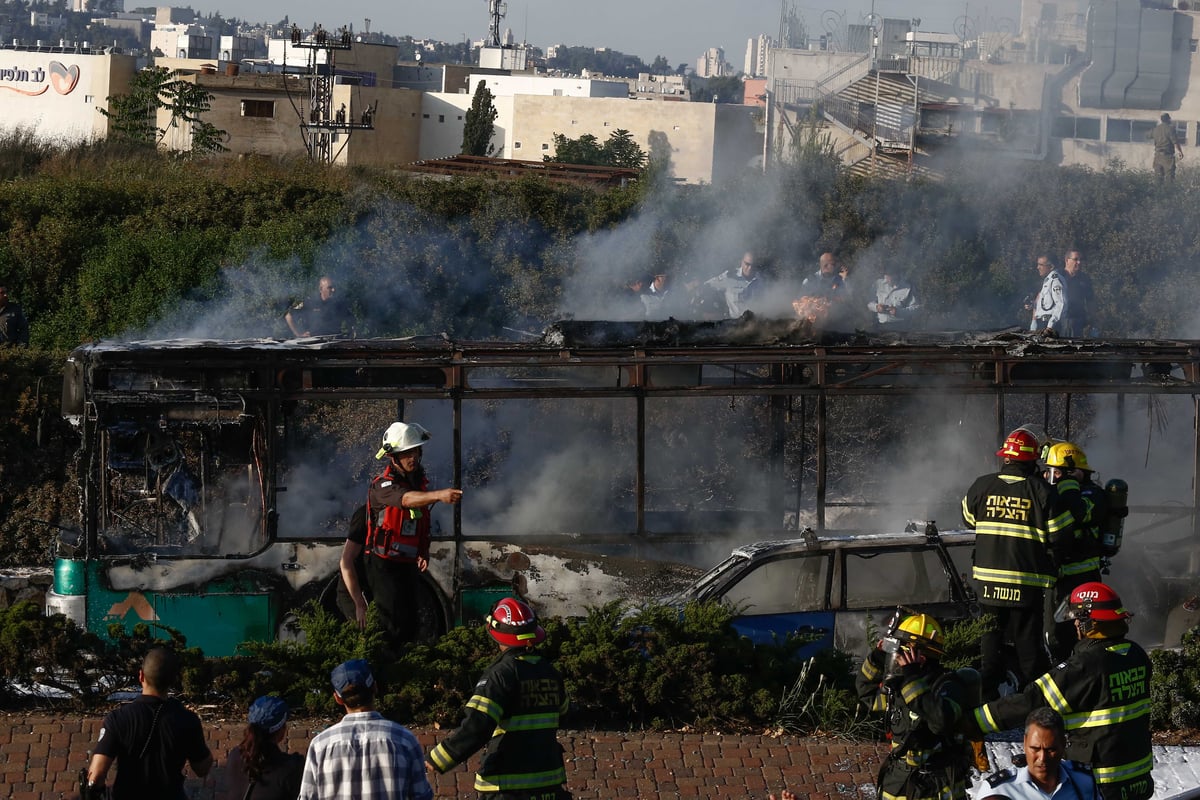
(217,621)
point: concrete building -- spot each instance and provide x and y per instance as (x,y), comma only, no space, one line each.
(258,115)
(712,64)
(659,87)
(58,93)
(707,141)
(182,41)
(758,50)
(506,85)
(1043,95)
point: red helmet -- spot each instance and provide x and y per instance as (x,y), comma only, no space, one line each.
(514,624)
(1092,602)
(1020,446)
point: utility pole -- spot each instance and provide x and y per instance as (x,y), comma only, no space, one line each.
(322,124)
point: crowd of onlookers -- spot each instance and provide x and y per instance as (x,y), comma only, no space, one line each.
(832,297)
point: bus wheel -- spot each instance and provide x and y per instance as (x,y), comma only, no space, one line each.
(289,629)
(433,613)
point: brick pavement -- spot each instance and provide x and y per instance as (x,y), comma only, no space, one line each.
(41,755)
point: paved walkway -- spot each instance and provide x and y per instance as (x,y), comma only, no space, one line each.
(40,757)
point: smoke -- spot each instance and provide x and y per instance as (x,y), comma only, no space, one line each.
(567,467)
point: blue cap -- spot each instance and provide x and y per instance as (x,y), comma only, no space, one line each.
(269,713)
(352,673)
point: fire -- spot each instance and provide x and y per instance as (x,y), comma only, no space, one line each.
(813,309)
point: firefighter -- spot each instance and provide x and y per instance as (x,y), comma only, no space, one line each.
(923,705)
(514,712)
(1102,692)
(398,531)
(1018,521)
(1066,469)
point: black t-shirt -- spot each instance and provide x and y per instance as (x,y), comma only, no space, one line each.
(150,754)
(357,533)
(279,779)
(322,317)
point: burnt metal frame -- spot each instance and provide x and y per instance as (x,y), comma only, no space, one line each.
(441,369)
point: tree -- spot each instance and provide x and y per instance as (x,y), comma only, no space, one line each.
(622,151)
(135,115)
(480,123)
(660,66)
(726,89)
(619,151)
(584,150)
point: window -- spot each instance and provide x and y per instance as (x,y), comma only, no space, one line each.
(783,586)
(884,579)
(545,146)
(263,109)
(1129,130)
(1076,128)
(441,117)
(516,145)
(1193,44)
(424,116)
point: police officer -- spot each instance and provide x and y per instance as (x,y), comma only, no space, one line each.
(1042,773)
(923,704)
(398,530)
(1102,692)
(1066,469)
(514,712)
(1018,519)
(1049,307)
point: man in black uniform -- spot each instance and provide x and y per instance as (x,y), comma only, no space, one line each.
(151,738)
(353,593)
(924,704)
(523,696)
(321,315)
(1018,519)
(1102,692)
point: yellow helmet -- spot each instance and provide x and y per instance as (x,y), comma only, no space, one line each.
(1066,455)
(923,631)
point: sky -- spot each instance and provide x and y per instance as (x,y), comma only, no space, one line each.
(680,31)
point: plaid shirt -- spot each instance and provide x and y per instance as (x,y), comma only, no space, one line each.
(364,757)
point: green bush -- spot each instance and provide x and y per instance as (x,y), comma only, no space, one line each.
(1175,685)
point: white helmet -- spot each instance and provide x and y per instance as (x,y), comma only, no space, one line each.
(401,436)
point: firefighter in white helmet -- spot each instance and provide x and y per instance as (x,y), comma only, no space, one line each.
(398,532)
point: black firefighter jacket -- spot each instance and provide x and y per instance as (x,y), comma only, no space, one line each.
(1103,694)
(519,699)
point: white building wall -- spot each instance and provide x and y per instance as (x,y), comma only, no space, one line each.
(443,116)
(57,95)
(707,140)
(509,85)
(757,51)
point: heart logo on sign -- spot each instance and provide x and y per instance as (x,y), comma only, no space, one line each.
(63,78)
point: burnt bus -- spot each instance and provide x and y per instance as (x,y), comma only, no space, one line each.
(601,461)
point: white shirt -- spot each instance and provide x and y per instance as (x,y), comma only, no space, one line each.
(1051,303)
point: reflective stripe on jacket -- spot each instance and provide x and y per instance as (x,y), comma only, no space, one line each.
(1018,519)
(515,712)
(1103,694)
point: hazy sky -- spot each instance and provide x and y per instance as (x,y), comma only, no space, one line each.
(679,29)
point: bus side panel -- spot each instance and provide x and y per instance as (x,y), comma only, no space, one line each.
(217,619)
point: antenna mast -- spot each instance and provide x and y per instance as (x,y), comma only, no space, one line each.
(496,11)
